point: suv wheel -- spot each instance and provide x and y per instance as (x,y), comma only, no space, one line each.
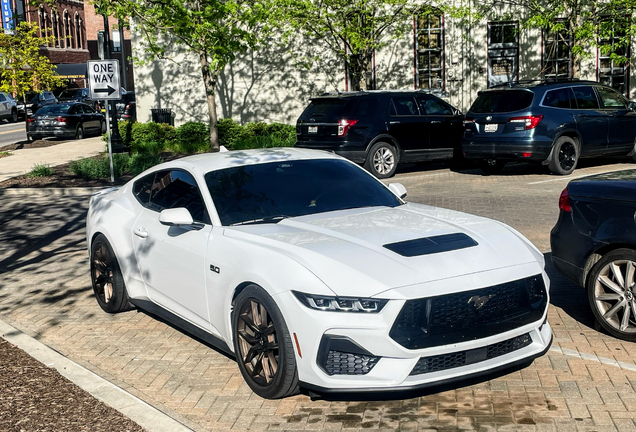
(492,166)
(14,116)
(381,160)
(564,157)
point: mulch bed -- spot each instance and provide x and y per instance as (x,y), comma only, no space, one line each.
(35,144)
(34,397)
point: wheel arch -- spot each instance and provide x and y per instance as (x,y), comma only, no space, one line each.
(388,139)
(570,133)
(599,253)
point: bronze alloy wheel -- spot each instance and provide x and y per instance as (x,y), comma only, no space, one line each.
(258,342)
(102,271)
(108,282)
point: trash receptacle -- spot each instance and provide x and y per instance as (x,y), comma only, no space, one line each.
(161,115)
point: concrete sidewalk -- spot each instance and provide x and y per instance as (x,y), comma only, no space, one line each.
(22,161)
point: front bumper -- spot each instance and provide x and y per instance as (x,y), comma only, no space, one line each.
(387,365)
(506,148)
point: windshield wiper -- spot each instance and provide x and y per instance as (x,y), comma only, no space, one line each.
(271,219)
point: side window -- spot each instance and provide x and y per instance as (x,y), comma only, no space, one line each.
(142,187)
(173,189)
(404,106)
(88,109)
(585,97)
(2,98)
(611,98)
(365,107)
(431,106)
(560,98)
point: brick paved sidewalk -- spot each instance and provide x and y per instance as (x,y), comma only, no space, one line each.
(586,383)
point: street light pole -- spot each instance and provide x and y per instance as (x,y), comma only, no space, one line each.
(117,143)
(122,45)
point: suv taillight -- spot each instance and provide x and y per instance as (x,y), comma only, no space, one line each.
(564,201)
(531,122)
(468,121)
(128,105)
(344,125)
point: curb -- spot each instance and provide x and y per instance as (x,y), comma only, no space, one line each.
(76,191)
(131,406)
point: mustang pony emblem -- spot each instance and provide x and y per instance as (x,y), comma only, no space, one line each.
(479,301)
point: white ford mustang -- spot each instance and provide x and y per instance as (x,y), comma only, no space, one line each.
(314,274)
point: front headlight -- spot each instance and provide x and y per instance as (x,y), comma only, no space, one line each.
(340,304)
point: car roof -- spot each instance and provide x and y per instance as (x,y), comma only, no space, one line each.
(541,84)
(349,94)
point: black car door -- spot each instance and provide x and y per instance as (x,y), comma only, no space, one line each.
(445,126)
(621,120)
(92,119)
(591,121)
(408,127)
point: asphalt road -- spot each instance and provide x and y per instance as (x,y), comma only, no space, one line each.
(11,133)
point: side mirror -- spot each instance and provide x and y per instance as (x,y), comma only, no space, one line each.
(175,217)
(631,106)
(398,189)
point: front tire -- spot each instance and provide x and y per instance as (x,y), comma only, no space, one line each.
(79,133)
(14,116)
(611,293)
(381,160)
(263,345)
(565,156)
(106,277)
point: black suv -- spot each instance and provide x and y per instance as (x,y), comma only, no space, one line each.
(553,122)
(78,95)
(381,128)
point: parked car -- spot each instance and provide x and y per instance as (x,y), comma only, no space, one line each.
(79,95)
(381,128)
(315,274)
(34,101)
(8,107)
(594,245)
(126,107)
(65,120)
(553,122)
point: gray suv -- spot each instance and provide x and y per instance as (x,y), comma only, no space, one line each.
(8,107)
(553,122)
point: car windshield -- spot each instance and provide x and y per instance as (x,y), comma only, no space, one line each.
(70,93)
(502,101)
(272,191)
(55,109)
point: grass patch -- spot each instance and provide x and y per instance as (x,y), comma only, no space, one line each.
(41,170)
(5,154)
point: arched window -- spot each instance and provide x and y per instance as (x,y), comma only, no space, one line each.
(56,28)
(78,34)
(67,31)
(429,46)
(42,17)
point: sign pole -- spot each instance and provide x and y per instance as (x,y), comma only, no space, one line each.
(110,149)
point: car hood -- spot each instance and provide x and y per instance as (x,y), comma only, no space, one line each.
(345,249)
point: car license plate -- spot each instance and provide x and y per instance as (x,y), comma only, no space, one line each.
(490,128)
(312,129)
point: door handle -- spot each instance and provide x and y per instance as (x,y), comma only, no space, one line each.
(394,122)
(140,232)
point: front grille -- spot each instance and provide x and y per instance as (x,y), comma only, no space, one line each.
(342,363)
(463,358)
(470,315)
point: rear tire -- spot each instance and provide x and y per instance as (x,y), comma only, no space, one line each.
(29,138)
(381,160)
(492,166)
(107,280)
(79,133)
(564,157)
(14,116)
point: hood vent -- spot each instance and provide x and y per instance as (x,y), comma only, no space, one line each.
(431,245)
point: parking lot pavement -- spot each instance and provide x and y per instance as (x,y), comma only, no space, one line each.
(586,382)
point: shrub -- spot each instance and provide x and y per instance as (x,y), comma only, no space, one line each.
(151,138)
(192,137)
(229,132)
(265,141)
(125,130)
(255,135)
(99,168)
(139,163)
(41,170)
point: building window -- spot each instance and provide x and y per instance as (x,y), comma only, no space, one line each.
(78,31)
(56,28)
(67,31)
(557,53)
(429,48)
(614,72)
(42,17)
(503,52)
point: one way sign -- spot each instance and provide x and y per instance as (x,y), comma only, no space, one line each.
(103,79)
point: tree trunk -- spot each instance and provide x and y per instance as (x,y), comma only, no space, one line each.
(209,81)
(359,71)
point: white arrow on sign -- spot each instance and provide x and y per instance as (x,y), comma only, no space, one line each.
(103,79)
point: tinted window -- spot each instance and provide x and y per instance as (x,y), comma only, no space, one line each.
(2,98)
(174,189)
(55,109)
(327,109)
(88,109)
(560,98)
(502,101)
(434,107)
(585,97)
(404,106)
(611,98)
(69,94)
(142,187)
(365,107)
(293,188)
(85,92)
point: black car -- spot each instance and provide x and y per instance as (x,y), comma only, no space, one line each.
(34,101)
(594,245)
(65,120)
(78,95)
(381,128)
(553,122)
(126,107)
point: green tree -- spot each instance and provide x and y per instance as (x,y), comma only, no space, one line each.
(214,31)
(23,67)
(353,29)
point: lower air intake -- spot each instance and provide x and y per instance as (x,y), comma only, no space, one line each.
(342,363)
